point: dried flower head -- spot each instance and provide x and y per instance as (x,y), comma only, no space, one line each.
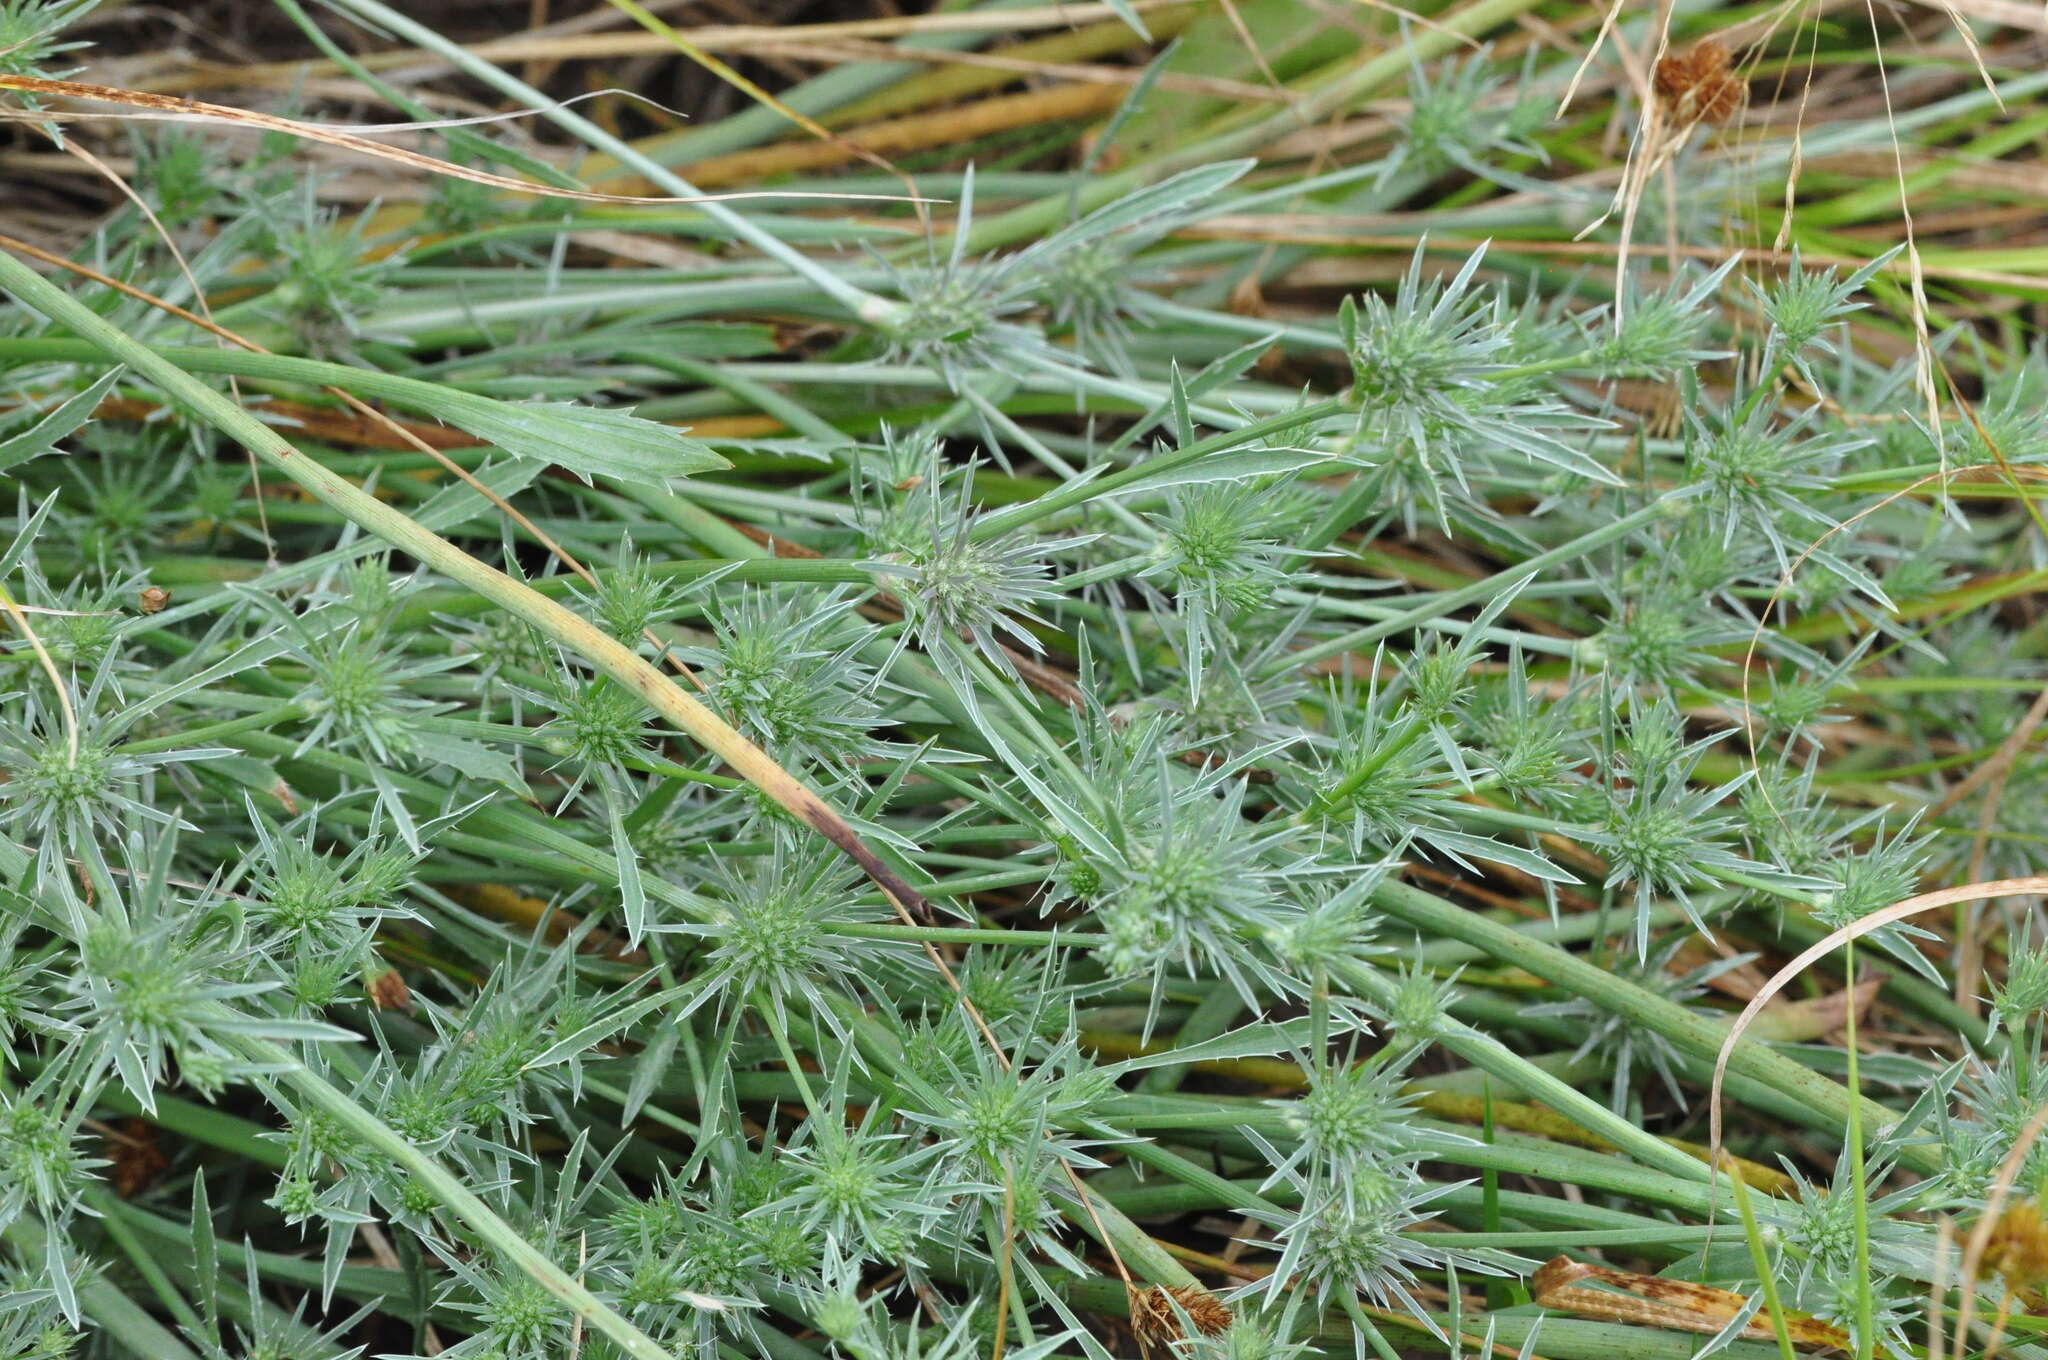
(1698,86)
(2018,1247)
(1166,1315)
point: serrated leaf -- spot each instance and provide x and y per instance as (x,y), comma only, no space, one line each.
(41,437)
(57,1270)
(1262,1039)
(25,536)
(1166,199)
(1463,844)
(1524,432)
(648,1069)
(1183,421)
(1234,467)
(283,1030)
(14,861)
(607,1025)
(590,441)
(206,1256)
(521,388)
(632,892)
(439,741)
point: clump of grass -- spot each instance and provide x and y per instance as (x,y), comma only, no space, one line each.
(1077,779)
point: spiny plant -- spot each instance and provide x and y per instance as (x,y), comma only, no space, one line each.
(1093,765)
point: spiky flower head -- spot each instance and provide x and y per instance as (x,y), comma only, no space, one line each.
(1220,546)
(1352,1239)
(1453,123)
(788,671)
(631,597)
(331,277)
(1087,274)
(1436,394)
(1660,334)
(1354,1114)
(960,316)
(955,583)
(31,34)
(1804,305)
(44,1168)
(1199,887)
(1757,474)
(770,937)
(2021,999)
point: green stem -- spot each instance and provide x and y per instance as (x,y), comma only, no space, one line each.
(139,1256)
(756,394)
(780,1032)
(1825,1103)
(1760,1260)
(1367,1328)
(1486,589)
(1080,493)
(481,1219)
(220,731)
(1487,1053)
(1865,1339)
(621,662)
(120,1317)
(860,303)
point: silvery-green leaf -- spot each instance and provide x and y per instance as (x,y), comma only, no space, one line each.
(459,502)
(434,741)
(40,437)
(1237,466)
(590,441)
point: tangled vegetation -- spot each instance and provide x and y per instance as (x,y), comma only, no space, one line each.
(1305,689)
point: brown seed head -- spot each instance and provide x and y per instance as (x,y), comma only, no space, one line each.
(138,1162)
(2018,1249)
(1155,1318)
(1697,85)
(388,992)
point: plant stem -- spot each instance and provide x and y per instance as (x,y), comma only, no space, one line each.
(1866,1338)
(1484,1051)
(860,303)
(1760,1260)
(614,658)
(1485,589)
(1825,1103)
(1080,493)
(492,1230)
(122,1318)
